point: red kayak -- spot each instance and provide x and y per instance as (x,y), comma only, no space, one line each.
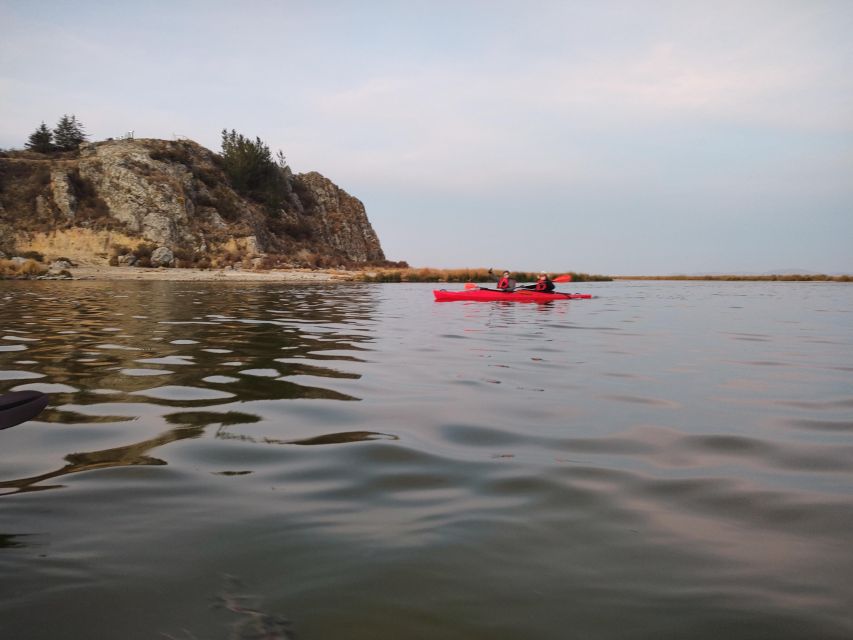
(494,295)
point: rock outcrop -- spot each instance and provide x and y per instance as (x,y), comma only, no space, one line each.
(341,220)
(152,198)
(63,192)
(173,197)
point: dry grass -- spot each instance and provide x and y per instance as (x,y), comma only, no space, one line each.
(463,275)
(26,269)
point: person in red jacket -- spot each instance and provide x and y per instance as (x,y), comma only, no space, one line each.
(505,282)
(544,283)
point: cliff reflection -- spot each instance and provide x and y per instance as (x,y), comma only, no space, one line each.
(329,438)
(122,348)
(132,337)
(127,456)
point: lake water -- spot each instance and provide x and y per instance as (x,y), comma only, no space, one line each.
(358,462)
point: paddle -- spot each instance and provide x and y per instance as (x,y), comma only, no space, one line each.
(19,406)
(567,277)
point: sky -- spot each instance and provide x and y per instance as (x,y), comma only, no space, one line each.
(641,137)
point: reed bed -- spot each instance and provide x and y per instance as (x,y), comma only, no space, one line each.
(464,275)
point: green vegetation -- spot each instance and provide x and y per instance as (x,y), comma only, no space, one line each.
(463,275)
(253,172)
(66,136)
(68,133)
(41,140)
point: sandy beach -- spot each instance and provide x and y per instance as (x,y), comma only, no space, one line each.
(91,272)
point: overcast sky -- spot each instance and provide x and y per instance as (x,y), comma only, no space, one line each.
(634,137)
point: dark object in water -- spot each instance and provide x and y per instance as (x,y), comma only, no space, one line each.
(19,406)
(254,623)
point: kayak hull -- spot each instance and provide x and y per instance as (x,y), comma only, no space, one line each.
(19,406)
(493,295)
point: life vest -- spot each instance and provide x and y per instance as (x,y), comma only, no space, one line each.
(503,283)
(544,285)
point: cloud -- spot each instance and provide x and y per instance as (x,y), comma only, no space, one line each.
(633,113)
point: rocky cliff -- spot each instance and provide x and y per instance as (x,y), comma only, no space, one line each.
(111,198)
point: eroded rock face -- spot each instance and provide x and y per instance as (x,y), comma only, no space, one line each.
(341,221)
(150,197)
(63,192)
(173,195)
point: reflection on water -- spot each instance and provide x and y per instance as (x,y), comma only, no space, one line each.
(115,457)
(665,460)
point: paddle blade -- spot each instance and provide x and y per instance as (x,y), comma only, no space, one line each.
(470,285)
(565,278)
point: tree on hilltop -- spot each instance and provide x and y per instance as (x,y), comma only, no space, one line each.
(252,171)
(69,133)
(41,140)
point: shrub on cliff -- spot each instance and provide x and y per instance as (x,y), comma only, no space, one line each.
(305,195)
(32,255)
(90,206)
(252,171)
(143,251)
(7,239)
(175,152)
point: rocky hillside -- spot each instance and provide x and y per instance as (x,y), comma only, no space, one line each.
(121,201)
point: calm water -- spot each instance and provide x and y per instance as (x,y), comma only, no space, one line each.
(358,462)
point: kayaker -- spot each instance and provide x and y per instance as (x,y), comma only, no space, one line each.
(544,283)
(505,282)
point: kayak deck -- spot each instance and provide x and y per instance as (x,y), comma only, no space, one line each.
(495,295)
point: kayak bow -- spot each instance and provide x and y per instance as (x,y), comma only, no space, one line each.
(495,295)
(19,406)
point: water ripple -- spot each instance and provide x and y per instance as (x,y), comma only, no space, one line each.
(177,392)
(353,447)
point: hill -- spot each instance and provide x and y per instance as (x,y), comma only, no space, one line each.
(126,201)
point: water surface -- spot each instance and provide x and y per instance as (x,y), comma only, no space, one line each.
(232,460)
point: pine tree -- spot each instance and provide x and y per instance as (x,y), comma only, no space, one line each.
(252,171)
(69,133)
(247,163)
(41,140)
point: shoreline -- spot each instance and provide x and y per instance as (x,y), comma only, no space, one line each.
(377,274)
(90,272)
(745,278)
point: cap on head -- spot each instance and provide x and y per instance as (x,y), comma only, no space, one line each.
(543,273)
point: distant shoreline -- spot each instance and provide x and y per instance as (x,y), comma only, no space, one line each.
(209,275)
(747,278)
(332,275)
(306,275)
